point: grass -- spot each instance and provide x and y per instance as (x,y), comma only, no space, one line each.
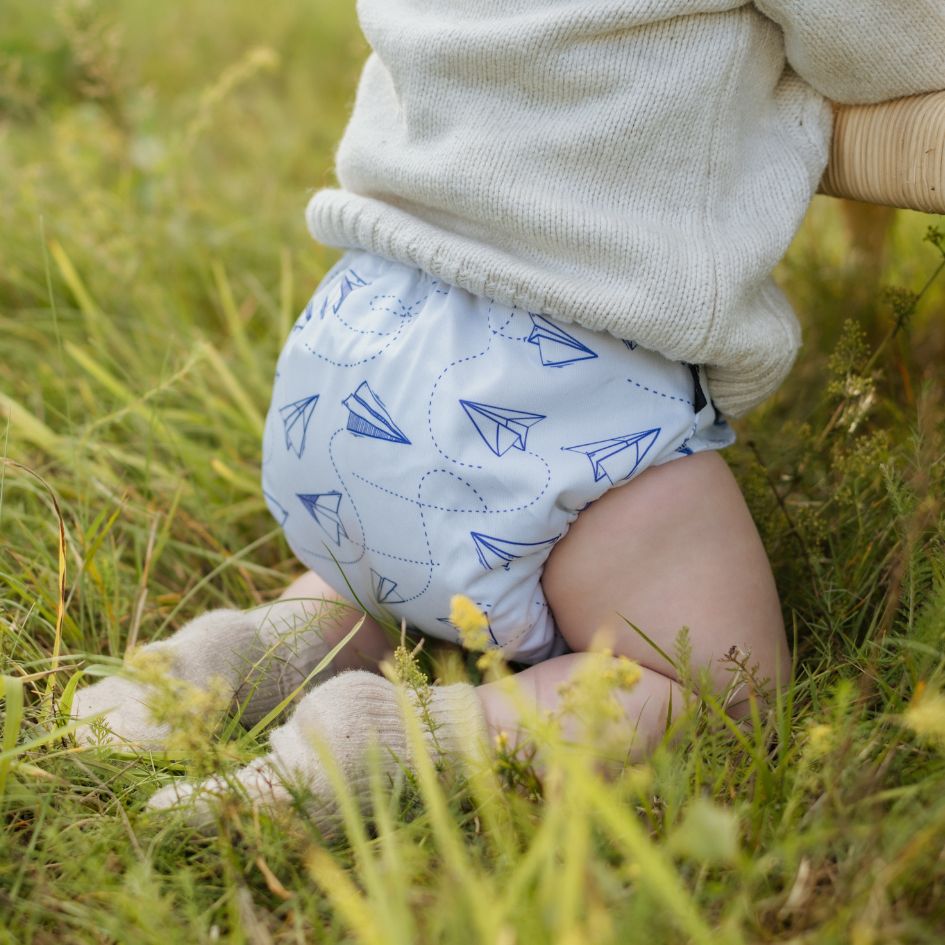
(154,163)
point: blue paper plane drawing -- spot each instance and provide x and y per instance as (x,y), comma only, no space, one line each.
(306,315)
(279,512)
(367,416)
(602,454)
(632,345)
(556,347)
(501,552)
(501,428)
(349,282)
(296,417)
(685,449)
(385,589)
(323,507)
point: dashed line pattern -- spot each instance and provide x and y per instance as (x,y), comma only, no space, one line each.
(535,616)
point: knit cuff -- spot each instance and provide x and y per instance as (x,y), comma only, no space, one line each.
(459,725)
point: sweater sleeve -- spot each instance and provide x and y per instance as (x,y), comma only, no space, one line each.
(859,51)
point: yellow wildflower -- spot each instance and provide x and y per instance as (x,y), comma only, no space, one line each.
(819,740)
(623,673)
(590,692)
(470,621)
(926,716)
(193,713)
(492,661)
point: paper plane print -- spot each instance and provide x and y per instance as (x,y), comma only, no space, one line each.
(501,428)
(349,282)
(306,315)
(385,590)
(501,552)
(685,449)
(556,347)
(602,453)
(279,512)
(367,416)
(632,345)
(296,417)
(323,507)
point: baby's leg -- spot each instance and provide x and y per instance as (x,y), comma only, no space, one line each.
(676,547)
(259,657)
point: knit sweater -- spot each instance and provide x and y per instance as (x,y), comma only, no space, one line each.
(635,166)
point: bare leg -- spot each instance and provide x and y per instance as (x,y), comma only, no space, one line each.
(676,547)
(646,706)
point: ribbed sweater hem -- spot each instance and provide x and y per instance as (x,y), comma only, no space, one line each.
(349,221)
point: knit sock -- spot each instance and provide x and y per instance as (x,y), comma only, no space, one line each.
(292,643)
(254,659)
(346,716)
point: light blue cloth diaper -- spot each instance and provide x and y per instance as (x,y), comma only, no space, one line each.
(424,442)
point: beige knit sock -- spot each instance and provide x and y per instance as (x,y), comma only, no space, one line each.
(255,659)
(346,716)
(292,644)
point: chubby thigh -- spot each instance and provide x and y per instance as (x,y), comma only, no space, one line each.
(678,548)
(424,442)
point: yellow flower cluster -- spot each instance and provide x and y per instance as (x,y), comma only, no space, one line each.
(820,740)
(473,627)
(926,716)
(590,691)
(150,665)
(194,713)
(470,621)
(622,673)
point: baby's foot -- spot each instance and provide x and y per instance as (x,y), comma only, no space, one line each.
(257,782)
(119,715)
(254,660)
(292,645)
(344,717)
(205,656)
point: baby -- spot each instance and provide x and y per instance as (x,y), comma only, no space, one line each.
(561,220)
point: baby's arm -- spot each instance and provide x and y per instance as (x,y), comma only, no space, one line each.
(862,51)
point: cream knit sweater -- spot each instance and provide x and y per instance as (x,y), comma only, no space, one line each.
(636,166)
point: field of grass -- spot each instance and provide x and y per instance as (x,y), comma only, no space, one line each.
(155,160)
